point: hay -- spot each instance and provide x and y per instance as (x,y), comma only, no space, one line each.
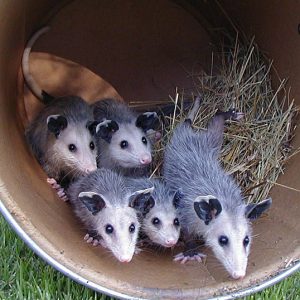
(255,149)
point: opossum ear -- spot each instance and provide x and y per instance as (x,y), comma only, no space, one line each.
(94,202)
(56,123)
(147,120)
(142,200)
(91,126)
(106,129)
(253,211)
(207,208)
(177,198)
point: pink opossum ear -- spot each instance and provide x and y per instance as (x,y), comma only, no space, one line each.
(253,211)
(207,208)
(94,202)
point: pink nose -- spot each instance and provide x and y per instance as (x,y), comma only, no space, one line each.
(170,242)
(145,159)
(125,259)
(90,169)
(238,275)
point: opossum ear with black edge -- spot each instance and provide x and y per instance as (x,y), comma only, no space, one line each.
(56,123)
(106,129)
(253,211)
(94,202)
(207,208)
(147,121)
(91,126)
(142,200)
(177,198)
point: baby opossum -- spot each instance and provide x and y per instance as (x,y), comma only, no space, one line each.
(212,206)
(109,210)
(61,136)
(122,137)
(160,224)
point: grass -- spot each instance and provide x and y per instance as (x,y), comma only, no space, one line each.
(24,276)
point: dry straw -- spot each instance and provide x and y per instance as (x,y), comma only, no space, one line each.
(255,149)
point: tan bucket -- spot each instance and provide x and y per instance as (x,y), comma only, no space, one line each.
(142,48)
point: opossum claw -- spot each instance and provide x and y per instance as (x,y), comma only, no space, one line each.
(92,238)
(183,257)
(59,190)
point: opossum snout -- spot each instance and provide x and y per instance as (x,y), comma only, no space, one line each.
(90,169)
(170,242)
(125,258)
(238,275)
(145,159)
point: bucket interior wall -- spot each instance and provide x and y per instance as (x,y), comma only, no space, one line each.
(144,51)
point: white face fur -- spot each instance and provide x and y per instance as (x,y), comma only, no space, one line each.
(162,226)
(230,240)
(75,148)
(129,147)
(118,227)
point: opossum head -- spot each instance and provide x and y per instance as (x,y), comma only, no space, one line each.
(229,232)
(128,144)
(118,225)
(161,223)
(74,145)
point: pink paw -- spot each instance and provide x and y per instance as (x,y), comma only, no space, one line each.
(183,258)
(59,190)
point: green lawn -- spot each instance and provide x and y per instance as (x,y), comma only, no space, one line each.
(23,275)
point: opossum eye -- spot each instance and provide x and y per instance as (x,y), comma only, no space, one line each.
(72,148)
(155,221)
(124,144)
(223,240)
(92,145)
(246,241)
(144,140)
(132,228)
(176,222)
(109,229)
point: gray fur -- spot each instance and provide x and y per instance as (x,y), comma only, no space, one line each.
(127,161)
(117,211)
(42,141)
(165,234)
(191,163)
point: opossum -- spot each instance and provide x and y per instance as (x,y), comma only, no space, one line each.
(122,137)
(160,224)
(109,210)
(61,136)
(212,206)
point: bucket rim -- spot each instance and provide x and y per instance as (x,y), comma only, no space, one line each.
(110,292)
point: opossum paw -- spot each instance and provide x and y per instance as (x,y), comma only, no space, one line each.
(184,257)
(153,135)
(235,115)
(59,190)
(92,239)
(157,136)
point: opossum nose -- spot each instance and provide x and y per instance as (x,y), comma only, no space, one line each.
(238,275)
(90,169)
(124,259)
(145,159)
(170,242)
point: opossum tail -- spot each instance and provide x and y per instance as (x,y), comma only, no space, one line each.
(193,112)
(30,82)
